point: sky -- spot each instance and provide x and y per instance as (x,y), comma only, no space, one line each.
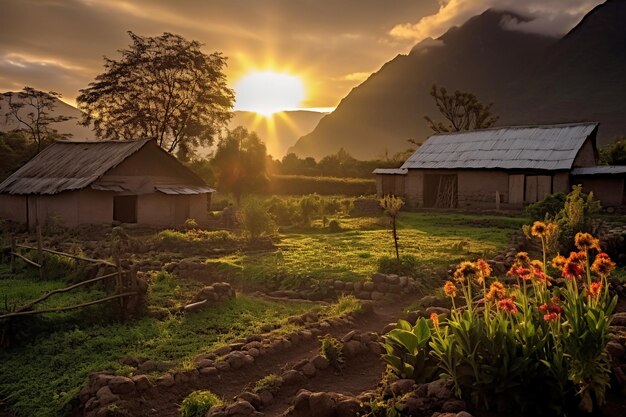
(331,45)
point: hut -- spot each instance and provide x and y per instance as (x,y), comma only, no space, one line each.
(503,167)
(100,182)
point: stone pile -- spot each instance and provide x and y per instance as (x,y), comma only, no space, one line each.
(211,294)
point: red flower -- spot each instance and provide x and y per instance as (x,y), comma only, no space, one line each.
(508,305)
(550,316)
(594,289)
(572,270)
(603,265)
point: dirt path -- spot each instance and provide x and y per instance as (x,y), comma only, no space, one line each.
(360,374)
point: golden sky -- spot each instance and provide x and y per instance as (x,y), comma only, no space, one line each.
(331,45)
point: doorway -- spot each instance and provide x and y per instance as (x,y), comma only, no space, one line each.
(125,208)
(440,190)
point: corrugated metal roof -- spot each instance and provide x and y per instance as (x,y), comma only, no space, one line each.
(549,147)
(600,170)
(390,171)
(66,166)
(183,189)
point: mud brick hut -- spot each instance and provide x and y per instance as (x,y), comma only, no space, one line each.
(504,167)
(104,182)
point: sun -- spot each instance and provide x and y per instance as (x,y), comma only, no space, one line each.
(268,92)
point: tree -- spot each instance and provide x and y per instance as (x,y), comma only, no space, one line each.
(462,111)
(32,111)
(15,149)
(162,87)
(392,205)
(240,160)
(614,153)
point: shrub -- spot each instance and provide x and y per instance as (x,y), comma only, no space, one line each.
(551,205)
(194,238)
(347,304)
(330,348)
(285,211)
(271,383)
(334,226)
(198,403)
(256,220)
(532,346)
(408,265)
(310,205)
(408,353)
(191,224)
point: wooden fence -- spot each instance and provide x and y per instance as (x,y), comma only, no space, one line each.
(125,280)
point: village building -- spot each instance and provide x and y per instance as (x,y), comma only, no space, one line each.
(103,182)
(504,168)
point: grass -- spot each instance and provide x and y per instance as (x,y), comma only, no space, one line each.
(435,239)
(40,378)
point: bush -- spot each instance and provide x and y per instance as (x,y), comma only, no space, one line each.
(173,239)
(330,348)
(551,205)
(334,226)
(300,185)
(408,265)
(271,383)
(198,403)
(531,348)
(347,304)
(256,220)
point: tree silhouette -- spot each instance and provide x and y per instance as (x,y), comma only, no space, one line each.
(163,87)
(462,111)
(31,109)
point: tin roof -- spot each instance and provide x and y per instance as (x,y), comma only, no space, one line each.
(600,170)
(66,166)
(390,171)
(548,147)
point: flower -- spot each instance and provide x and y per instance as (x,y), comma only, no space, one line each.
(450,289)
(522,259)
(539,229)
(551,316)
(585,241)
(497,291)
(594,289)
(540,276)
(508,305)
(464,271)
(519,271)
(435,318)
(552,311)
(559,262)
(580,257)
(572,270)
(536,264)
(603,265)
(484,270)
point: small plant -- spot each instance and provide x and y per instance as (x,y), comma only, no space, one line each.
(191,224)
(347,304)
(330,348)
(198,403)
(408,265)
(271,383)
(392,205)
(551,205)
(256,220)
(408,353)
(334,226)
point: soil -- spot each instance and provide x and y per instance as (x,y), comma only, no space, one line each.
(360,374)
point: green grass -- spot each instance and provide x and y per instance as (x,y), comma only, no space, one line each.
(40,377)
(435,239)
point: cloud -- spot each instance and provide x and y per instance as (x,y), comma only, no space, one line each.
(550,17)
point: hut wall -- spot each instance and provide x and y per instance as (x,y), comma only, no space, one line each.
(478,188)
(414,188)
(155,209)
(560,182)
(609,190)
(95,207)
(199,205)
(13,207)
(586,156)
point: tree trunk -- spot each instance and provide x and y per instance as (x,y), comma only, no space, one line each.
(395,239)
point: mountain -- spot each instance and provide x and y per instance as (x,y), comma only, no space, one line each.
(71,126)
(530,78)
(279,131)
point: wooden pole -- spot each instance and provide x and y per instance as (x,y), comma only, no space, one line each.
(39,252)
(13,250)
(80,258)
(119,282)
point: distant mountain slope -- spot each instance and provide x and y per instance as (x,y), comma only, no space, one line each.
(530,79)
(71,126)
(281,130)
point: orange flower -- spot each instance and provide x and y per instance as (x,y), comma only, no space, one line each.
(572,270)
(579,257)
(521,272)
(585,241)
(551,316)
(435,318)
(537,264)
(464,271)
(450,289)
(497,291)
(522,259)
(539,229)
(552,311)
(484,270)
(540,276)
(594,289)
(603,265)
(559,262)
(508,305)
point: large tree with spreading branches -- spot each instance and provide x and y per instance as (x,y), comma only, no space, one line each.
(162,87)
(461,111)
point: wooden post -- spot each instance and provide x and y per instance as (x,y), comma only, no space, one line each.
(39,252)
(497,200)
(13,249)
(120,285)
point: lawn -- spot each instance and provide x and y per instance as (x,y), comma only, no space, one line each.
(435,239)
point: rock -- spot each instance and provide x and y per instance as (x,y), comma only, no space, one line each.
(208,371)
(615,350)
(240,408)
(428,300)
(204,363)
(463,414)
(217,411)
(309,370)
(322,405)
(378,277)
(222,366)
(389,328)
(393,279)
(349,407)
(374,347)
(415,405)
(453,406)
(254,352)
(348,336)
(403,281)
(377,295)
(352,348)
(402,386)
(130,361)
(166,380)
(320,362)
(105,396)
(301,406)
(339,285)
(91,404)
(437,310)
(236,360)
(141,382)
(252,398)
(439,389)
(222,351)
(368,286)
(266,397)
(292,377)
